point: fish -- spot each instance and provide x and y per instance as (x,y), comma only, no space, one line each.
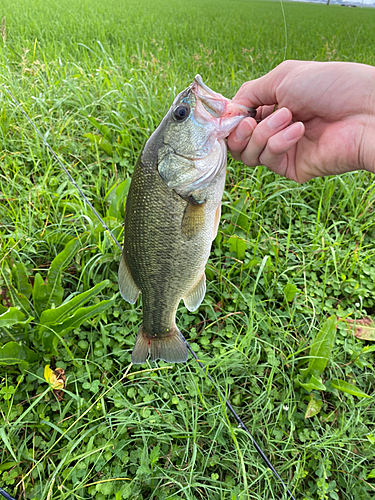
(172,215)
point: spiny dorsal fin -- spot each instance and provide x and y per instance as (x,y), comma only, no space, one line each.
(195,296)
(128,288)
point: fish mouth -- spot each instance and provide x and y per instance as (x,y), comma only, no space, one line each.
(215,108)
(216,104)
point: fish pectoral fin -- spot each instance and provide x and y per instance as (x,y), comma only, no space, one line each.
(194,297)
(170,348)
(127,286)
(193,219)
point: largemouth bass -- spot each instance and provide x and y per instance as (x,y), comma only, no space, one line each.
(172,215)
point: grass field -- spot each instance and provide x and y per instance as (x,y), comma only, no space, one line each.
(97,77)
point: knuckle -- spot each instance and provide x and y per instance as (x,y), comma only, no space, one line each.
(287,64)
(243,88)
(235,145)
(265,159)
(258,139)
(249,157)
(273,146)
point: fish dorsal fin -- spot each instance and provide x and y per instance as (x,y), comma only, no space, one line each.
(193,219)
(194,297)
(127,286)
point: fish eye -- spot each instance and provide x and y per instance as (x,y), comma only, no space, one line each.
(181,112)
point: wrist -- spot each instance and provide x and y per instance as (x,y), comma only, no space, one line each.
(367,150)
(367,147)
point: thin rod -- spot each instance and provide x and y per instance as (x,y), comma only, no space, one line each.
(240,422)
(6,495)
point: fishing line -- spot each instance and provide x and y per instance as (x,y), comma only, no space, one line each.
(240,423)
(285,30)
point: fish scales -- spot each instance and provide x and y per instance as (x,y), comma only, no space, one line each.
(158,234)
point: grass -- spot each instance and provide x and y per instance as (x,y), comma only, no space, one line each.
(162,432)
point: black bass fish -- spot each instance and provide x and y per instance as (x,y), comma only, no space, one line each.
(172,215)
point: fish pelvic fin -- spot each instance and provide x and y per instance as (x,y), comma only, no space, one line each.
(171,348)
(127,286)
(194,297)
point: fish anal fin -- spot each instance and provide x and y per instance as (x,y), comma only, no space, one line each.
(127,286)
(193,219)
(170,348)
(195,295)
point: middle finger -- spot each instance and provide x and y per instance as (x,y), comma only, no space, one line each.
(268,127)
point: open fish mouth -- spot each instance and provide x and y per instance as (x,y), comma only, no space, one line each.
(216,104)
(194,151)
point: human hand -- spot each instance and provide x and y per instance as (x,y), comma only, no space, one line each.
(324,123)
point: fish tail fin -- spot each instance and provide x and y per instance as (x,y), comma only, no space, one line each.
(171,348)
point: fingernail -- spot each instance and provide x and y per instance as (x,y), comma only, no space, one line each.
(293,131)
(278,118)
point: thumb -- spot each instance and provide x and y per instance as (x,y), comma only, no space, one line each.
(263,91)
